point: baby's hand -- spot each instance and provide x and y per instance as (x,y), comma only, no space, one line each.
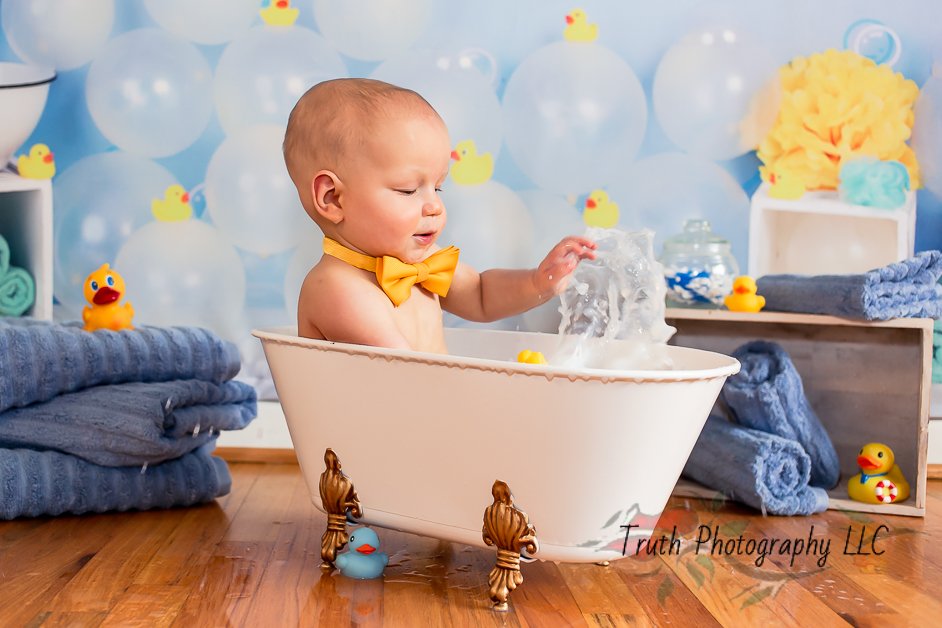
(554,270)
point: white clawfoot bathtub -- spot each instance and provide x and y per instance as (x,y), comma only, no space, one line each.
(424,436)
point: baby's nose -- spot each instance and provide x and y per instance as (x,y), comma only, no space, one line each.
(433,207)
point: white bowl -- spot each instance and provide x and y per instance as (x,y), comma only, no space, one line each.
(23,91)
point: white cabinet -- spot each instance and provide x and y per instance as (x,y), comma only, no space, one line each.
(26,224)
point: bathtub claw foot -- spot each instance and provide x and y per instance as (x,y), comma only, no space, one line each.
(338,496)
(508,528)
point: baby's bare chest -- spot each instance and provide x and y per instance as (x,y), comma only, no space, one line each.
(419,319)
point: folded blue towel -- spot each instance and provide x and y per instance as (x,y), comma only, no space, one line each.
(17,290)
(907,289)
(131,424)
(758,469)
(767,395)
(34,483)
(39,360)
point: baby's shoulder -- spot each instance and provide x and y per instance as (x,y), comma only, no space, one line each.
(333,287)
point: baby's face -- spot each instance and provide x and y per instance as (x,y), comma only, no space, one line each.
(391,191)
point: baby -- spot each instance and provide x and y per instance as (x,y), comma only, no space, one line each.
(369,160)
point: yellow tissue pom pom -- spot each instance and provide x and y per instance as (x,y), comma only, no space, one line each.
(835,106)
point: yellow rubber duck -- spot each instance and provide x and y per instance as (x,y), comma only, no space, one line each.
(600,211)
(103,289)
(531,357)
(279,13)
(174,206)
(578,29)
(39,164)
(880,480)
(469,167)
(744,297)
(785,185)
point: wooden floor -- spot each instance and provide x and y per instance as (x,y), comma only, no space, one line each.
(252,559)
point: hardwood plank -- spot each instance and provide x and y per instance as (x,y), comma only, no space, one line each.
(147,606)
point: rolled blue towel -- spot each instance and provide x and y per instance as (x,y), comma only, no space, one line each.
(761,470)
(17,290)
(907,289)
(39,360)
(35,483)
(131,424)
(767,395)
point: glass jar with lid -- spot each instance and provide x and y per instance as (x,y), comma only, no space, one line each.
(699,266)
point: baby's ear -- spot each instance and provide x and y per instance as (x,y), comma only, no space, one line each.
(324,191)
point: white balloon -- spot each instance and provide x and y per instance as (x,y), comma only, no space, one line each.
(456,88)
(927,133)
(149,92)
(183,273)
(372,30)
(100,201)
(553,218)
(574,114)
(249,195)
(490,224)
(263,72)
(64,34)
(307,254)
(204,22)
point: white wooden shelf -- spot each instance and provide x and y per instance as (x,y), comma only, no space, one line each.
(26,224)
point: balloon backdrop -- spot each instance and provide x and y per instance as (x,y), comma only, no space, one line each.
(927,133)
(249,195)
(307,254)
(100,201)
(715,93)
(553,218)
(264,71)
(149,92)
(459,92)
(206,21)
(64,34)
(371,30)
(201,283)
(574,114)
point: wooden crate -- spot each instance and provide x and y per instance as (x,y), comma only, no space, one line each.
(867,381)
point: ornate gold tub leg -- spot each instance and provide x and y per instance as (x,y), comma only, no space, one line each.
(338,495)
(507,527)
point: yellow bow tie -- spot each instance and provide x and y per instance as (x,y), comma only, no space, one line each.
(395,277)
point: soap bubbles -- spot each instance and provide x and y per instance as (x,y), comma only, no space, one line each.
(202,283)
(662,191)
(875,40)
(307,254)
(262,74)
(149,92)
(100,201)
(927,133)
(458,90)
(249,194)
(204,22)
(371,30)
(574,114)
(64,34)
(716,93)
(490,224)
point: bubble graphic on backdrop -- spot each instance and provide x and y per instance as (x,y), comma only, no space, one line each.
(461,94)
(263,72)
(371,30)
(100,201)
(204,22)
(490,224)
(927,132)
(875,40)
(307,254)
(201,283)
(662,191)
(716,93)
(64,34)
(249,195)
(150,92)
(574,115)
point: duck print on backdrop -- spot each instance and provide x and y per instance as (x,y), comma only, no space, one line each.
(278,13)
(39,164)
(470,168)
(578,27)
(174,206)
(600,211)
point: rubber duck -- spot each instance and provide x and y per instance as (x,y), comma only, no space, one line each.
(880,480)
(279,13)
(578,29)
(470,168)
(174,206)
(363,561)
(600,211)
(531,357)
(785,185)
(744,297)
(103,289)
(39,164)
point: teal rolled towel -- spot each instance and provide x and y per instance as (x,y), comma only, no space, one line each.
(937,353)
(17,290)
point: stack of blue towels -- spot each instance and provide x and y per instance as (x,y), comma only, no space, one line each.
(94,422)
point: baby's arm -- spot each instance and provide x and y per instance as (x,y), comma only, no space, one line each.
(500,293)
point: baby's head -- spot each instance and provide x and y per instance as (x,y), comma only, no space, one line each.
(368,159)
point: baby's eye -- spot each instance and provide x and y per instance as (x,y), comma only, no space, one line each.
(406,192)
